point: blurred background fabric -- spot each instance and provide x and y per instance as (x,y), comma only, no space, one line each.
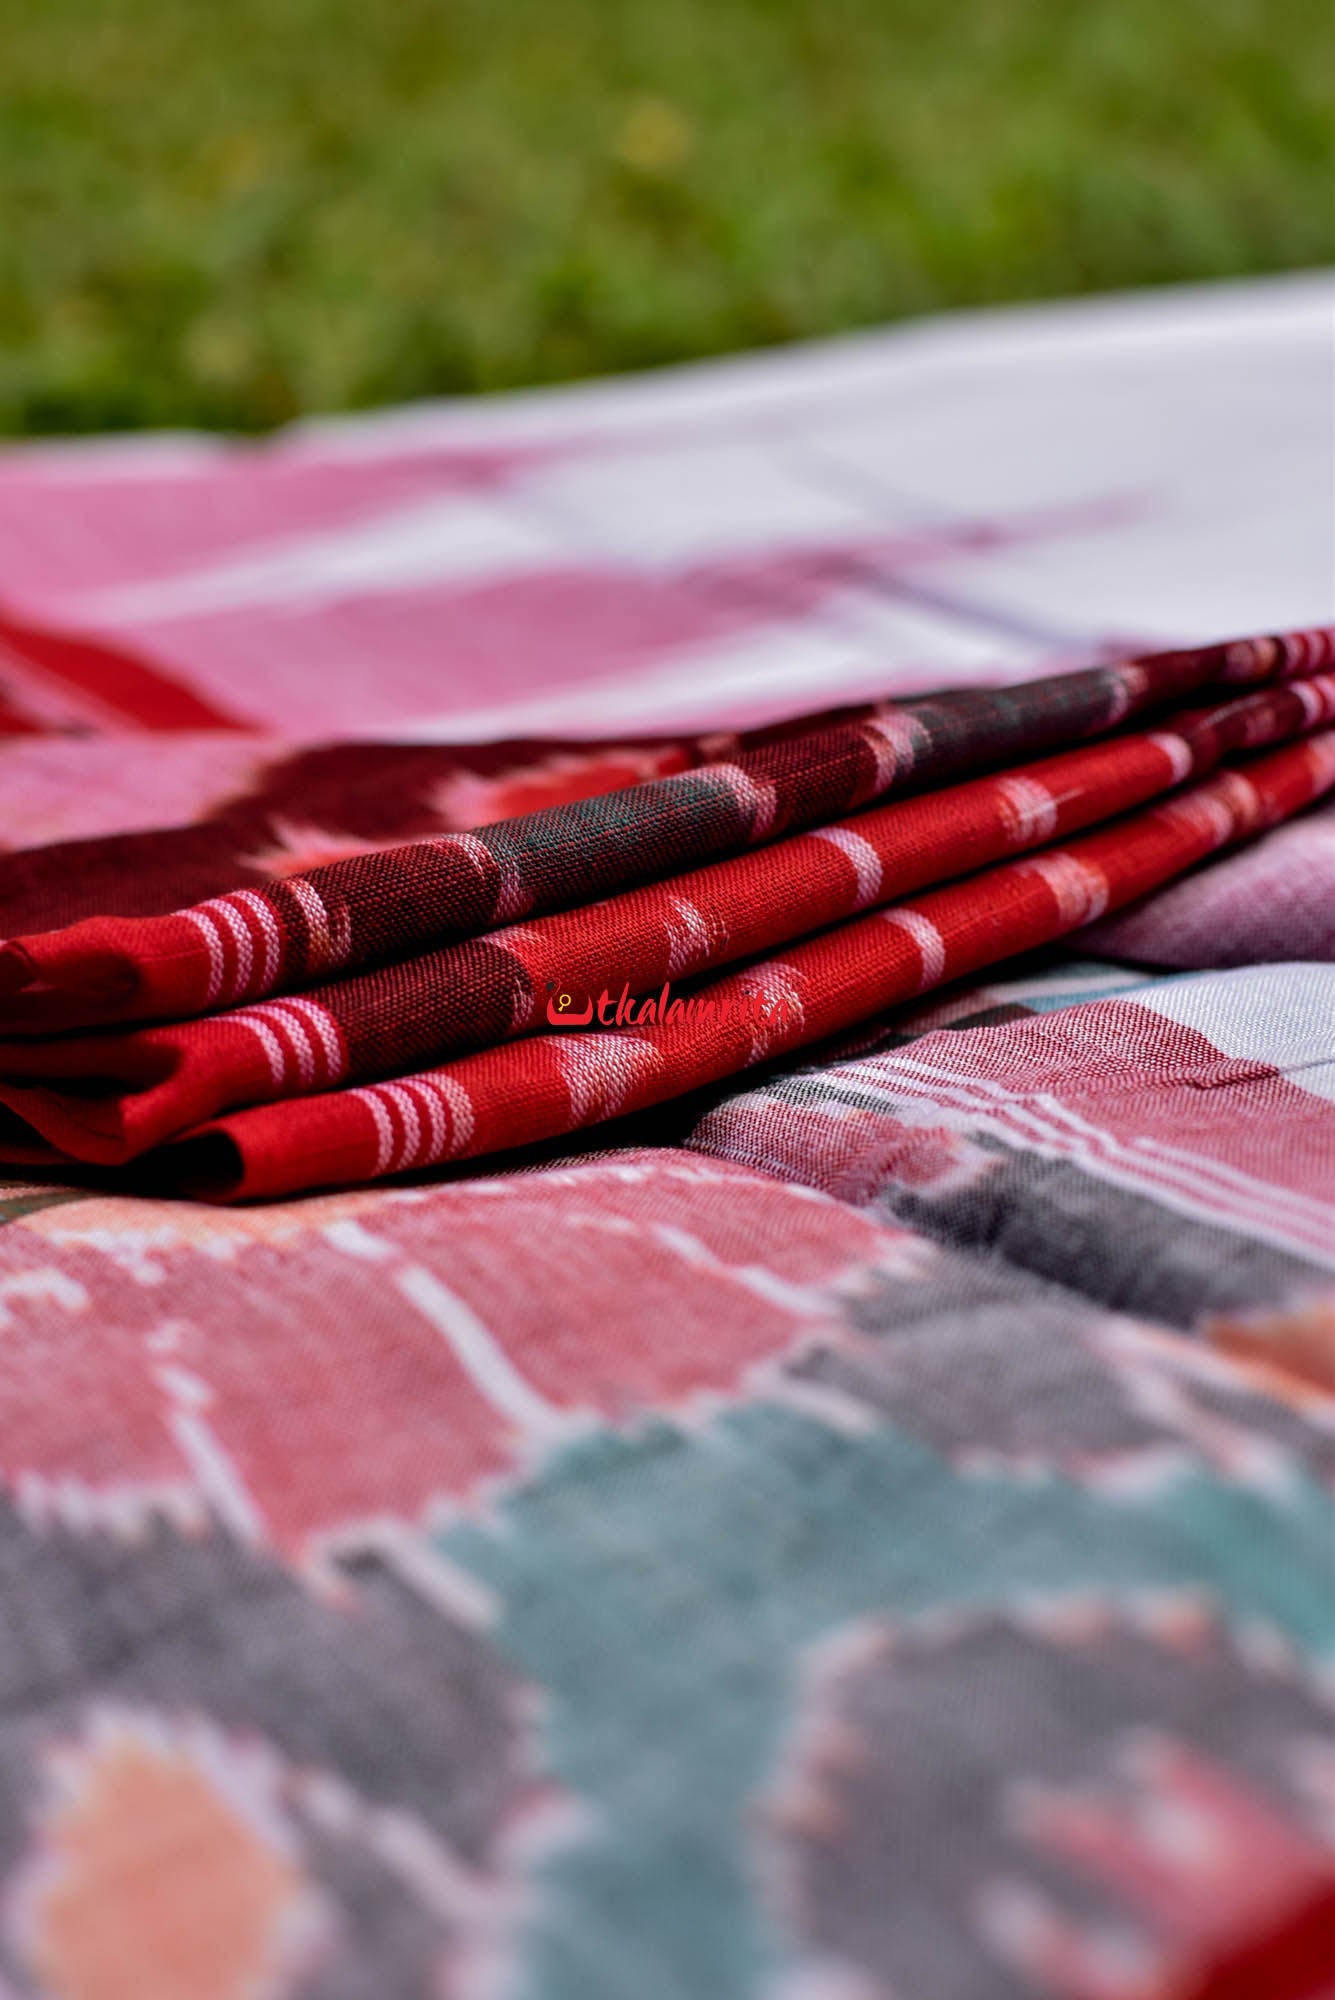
(983,497)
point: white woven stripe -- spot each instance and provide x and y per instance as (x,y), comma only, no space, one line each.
(757,801)
(476,850)
(326,1027)
(297,1034)
(1178,752)
(1312,695)
(1261,1202)
(268,1041)
(1321,762)
(687,936)
(480,1355)
(1035,1112)
(1042,1117)
(319,937)
(426,1101)
(893,740)
(412,1124)
(866,861)
(273,937)
(1031,810)
(599,1073)
(208,930)
(1078,887)
(383,1128)
(776,987)
(238,985)
(458,1104)
(931,945)
(1128,689)
(1204,814)
(1243,800)
(512,897)
(1188,1181)
(1248,659)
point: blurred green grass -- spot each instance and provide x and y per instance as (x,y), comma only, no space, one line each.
(230,215)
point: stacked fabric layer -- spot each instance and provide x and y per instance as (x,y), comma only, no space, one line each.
(396,1009)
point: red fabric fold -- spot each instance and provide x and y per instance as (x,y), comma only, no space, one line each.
(518,1093)
(552,1084)
(283,936)
(104,1098)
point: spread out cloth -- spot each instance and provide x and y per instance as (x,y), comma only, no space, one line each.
(844,1510)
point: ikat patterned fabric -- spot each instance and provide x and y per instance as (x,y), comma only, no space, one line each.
(847,1511)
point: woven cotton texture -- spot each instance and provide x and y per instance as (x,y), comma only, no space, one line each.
(487,990)
(551,1084)
(342,1065)
(356,912)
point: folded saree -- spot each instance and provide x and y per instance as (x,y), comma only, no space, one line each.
(518,1092)
(546,1085)
(282,936)
(107,1097)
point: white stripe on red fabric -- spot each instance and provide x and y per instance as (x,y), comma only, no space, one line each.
(1177,750)
(319,941)
(426,1101)
(866,861)
(268,1041)
(411,1146)
(207,927)
(238,985)
(1030,809)
(1079,889)
(452,1095)
(270,933)
(925,935)
(1208,1189)
(383,1127)
(322,1022)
